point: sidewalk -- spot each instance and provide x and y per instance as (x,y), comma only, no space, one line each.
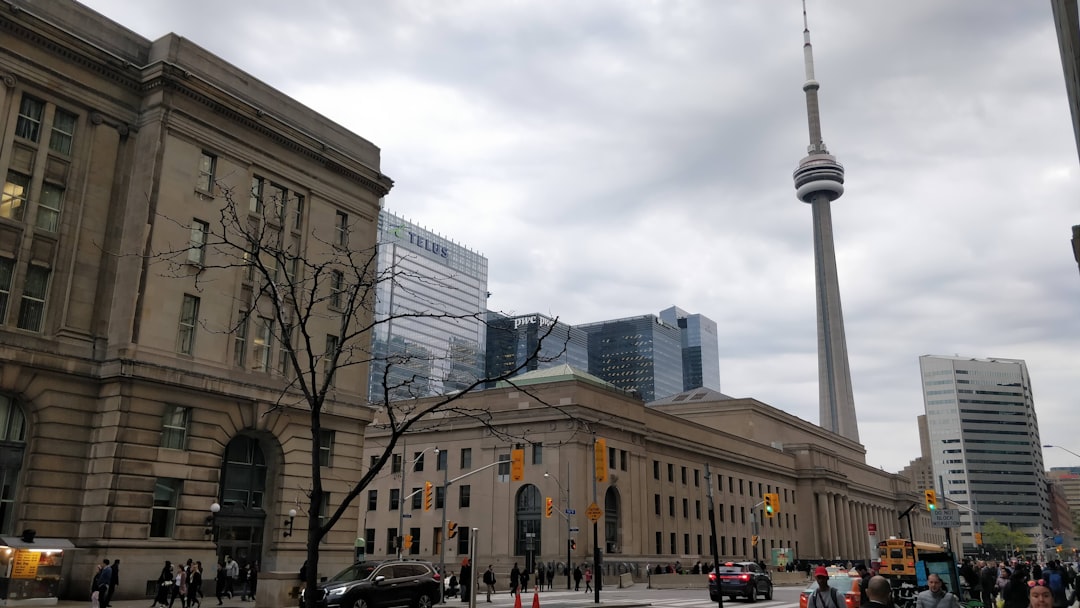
(208,602)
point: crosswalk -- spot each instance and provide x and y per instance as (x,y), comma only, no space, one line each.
(574,599)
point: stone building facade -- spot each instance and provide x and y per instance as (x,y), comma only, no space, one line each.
(656,498)
(131,399)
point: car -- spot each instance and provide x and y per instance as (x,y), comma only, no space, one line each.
(846,581)
(735,579)
(412,583)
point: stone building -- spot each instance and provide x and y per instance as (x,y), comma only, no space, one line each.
(656,498)
(134,395)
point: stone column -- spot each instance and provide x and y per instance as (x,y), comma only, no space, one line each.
(824,535)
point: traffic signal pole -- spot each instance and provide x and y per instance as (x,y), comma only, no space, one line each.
(712,540)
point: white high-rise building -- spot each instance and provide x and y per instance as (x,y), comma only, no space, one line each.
(984,443)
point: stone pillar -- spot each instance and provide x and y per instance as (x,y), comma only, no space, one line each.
(824,534)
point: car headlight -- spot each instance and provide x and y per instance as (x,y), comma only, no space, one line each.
(337,591)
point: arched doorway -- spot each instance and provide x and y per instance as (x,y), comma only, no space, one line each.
(611,520)
(12,451)
(242,518)
(527,524)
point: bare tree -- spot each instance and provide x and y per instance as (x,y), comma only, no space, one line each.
(315,295)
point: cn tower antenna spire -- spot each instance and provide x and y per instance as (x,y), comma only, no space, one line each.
(819,180)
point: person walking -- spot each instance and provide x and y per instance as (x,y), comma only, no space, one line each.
(489,582)
(588,579)
(550,576)
(466,579)
(879,592)
(221,582)
(577,578)
(164,581)
(102,582)
(936,596)
(515,580)
(194,584)
(179,587)
(232,572)
(114,581)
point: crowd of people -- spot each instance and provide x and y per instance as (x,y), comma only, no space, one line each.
(184,582)
(522,580)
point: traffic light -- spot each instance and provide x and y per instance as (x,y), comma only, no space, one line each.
(408,541)
(600,460)
(451,529)
(753,540)
(427,496)
(517,465)
(573,545)
(931,499)
(547,513)
(978,538)
(770,505)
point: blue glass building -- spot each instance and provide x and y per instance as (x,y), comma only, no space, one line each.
(638,354)
(700,348)
(511,341)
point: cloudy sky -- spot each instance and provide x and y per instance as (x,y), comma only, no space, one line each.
(612,158)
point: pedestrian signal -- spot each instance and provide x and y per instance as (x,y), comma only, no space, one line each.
(427,496)
(931,500)
(517,465)
(451,529)
(548,512)
(573,545)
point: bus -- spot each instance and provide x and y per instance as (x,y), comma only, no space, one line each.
(898,556)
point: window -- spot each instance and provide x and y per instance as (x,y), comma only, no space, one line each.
(656,503)
(464,496)
(740,487)
(279,198)
(742,515)
(671,505)
(391,540)
(337,285)
(372,461)
(697,509)
(395,463)
(326,448)
(686,543)
(441,460)
(288,338)
(656,469)
(671,472)
(298,213)
(418,461)
(207,169)
(417,498)
(16,193)
(623,457)
(674,549)
(163,518)
(466,459)
(659,543)
(503,471)
(49,204)
(395,499)
(440,497)
(684,476)
(612,463)
(196,248)
(697,478)
(332,347)
(372,500)
(29,122)
(720,511)
(240,340)
(175,427)
(32,307)
(7,269)
(263,342)
(189,314)
(341,238)
(415,548)
(255,204)
(538,453)
(463,540)
(686,508)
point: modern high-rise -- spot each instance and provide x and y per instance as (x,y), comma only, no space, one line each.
(984,443)
(531,342)
(700,348)
(430,307)
(640,354)
(819,180)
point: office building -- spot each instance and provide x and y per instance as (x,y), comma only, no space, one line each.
(430,335)
(641,354)
(532,342)
(700,348)
(135,394)
(983,438)
(1067,26)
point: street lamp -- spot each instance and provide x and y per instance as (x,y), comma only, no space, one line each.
(1047,445)
(289,523)
(445,499)
(209,531)
(566,516)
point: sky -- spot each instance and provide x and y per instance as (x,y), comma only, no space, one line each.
(612,158)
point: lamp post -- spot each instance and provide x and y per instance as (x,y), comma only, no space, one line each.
(289,523)
(566,516)
(211,521)
(445,500)
(1047,445)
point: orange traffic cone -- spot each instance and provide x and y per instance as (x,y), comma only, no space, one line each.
(536,600)
(517,600)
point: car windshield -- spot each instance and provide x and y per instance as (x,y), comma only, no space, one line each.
(730,569)
(842,582)
(354,572)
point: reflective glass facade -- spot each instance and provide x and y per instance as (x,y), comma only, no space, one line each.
(641,354)
(512,340)
(444,284)
(700,348)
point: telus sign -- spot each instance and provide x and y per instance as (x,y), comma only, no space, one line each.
(421,242)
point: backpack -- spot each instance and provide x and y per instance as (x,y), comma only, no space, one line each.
(1056,582)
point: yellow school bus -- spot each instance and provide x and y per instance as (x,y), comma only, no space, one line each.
(898,555)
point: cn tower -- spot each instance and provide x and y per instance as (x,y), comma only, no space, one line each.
(819,181)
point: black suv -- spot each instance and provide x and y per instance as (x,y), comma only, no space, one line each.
(378,585)
(740,578)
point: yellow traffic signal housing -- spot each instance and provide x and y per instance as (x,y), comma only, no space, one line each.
(978,538)
(408,541)
(931,499)
(428,500)
(753,540)
(770,505)
(451,529)
(517,465)
(600,460)
(547,513)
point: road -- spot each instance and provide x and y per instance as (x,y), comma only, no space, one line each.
(638,595)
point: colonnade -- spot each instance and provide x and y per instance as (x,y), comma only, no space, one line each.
(841,526)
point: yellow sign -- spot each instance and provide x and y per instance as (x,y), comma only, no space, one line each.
(594,512)
(517,465)
(25,564)
(601,460)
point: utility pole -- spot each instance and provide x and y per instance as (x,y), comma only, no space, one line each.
(712,528)
(597,555)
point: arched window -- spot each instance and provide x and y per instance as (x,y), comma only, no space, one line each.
(611,520)
(12,449)
(527,521)
(243,482)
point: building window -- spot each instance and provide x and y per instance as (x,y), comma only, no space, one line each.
(255,204)
(671,505)
(611,454)
(207,169)
(391,540)
(341,228)
(395,499)
(326,448)
(395,463)
(464,496)
(466,459)
(298,213)
(463,540)
(49,205)
(671,472)
(699,544)
(697,509)
(332,346)
(656,503)
(175,427)
(623,458)
(63,131)
(7,270)
(440,497)
(337,286)
(697,478)
(28,125)
(730,481)
(16,193)
(723,545)
(372,500)
(288,338)
(166,496)
(659,543)
(684,476)
(441,460)
(32,306)
(742,515)
(417,498)
(503,472)
(197,247)
(240,340)
(740,487)
(189,315)
(279,198)
(686,508)
(720,511)
(671,542)
(656,469)
(686,543)
(263,342)
(538,453)
(418,461)
(414,549)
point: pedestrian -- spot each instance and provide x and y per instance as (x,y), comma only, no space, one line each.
(550,576)
(1040,595)
(164,581)
(588,579)
(525,580)
(194,584)
(1015,593)
(95,594)
(179,587)
(232,573)
(577,577)
(825,596)
(515,580)
(466,579)
(252,579)
(864,581)
(988,582)
(221,582)
(114,581)
(489,582)
(936,596)
(104,579)
(879,592)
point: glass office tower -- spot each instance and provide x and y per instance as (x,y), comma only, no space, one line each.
(640,354)
(700,348)
(430,333)
(511,341)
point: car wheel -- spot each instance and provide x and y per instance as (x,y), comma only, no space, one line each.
(423,601)
(751,594)
(359,603)
(768,592)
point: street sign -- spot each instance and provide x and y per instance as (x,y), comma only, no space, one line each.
(594,512)
(574,529)
(571,511)
(406,515)
(945,518)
